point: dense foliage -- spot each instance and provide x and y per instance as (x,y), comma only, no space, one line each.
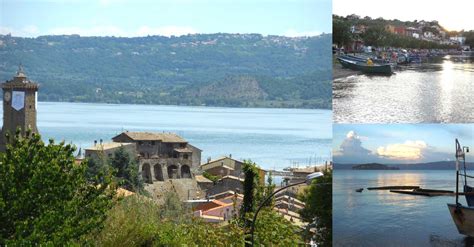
(270,227)
(250,188)
(126,169)
(44,195)
(203,69)
(318,209)
(138,221)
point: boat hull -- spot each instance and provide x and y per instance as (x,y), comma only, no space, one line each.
(384,69)
(463,217)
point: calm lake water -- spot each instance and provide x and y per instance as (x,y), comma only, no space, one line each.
(273,138)
(437,92)
(381,218)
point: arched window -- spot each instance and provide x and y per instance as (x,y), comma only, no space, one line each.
(158,172)
(172,171)
(146,173)
(185,172)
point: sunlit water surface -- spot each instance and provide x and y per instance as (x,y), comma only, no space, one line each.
(274,138)
(438,92)
(382,218)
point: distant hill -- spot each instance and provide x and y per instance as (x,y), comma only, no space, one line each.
(242,70)
(373,166)
(440,165)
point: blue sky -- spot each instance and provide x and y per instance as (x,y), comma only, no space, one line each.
(146,17)
(399,143)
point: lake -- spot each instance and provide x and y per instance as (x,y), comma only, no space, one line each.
(273,138)
(435,92)
(382,218)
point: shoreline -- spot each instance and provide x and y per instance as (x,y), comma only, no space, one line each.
(339,72)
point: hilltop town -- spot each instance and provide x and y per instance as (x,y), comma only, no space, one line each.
(354,31)
(221,69)
(155,169)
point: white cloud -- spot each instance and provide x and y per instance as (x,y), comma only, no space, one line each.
(352,151)
(294,33)
(410,150)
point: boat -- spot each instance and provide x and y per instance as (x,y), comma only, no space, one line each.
(363,58)
(359,190)
(385,69)
(463,215)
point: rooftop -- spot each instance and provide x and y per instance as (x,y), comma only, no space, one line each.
(108,145)
(154,136)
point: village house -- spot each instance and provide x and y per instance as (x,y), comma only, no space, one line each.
(162,155)
(227,166)
(100,150)
(222,208)
(224,166)
(226,183)
(358,29)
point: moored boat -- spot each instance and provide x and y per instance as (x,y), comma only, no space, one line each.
(463,216)
(385,69)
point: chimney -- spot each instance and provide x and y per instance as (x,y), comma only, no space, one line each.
(100,141)
(208,159)
(95,143)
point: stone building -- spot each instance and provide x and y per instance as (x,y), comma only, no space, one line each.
(225,166)
(162,156)
(19,106)
(227,183)
(108,149)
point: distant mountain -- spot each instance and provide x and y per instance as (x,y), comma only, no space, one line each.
(373,166)
(440,165)
(242,70)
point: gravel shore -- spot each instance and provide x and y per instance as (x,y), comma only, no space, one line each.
(339,72)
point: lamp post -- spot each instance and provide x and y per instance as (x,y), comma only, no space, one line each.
(308,181)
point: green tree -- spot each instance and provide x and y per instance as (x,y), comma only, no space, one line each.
(96,169)
(318,209)
(375,36)
(469,38)
(250,184)
(272,229)
(269,188)
(126,170)
(45,197)
(341,32)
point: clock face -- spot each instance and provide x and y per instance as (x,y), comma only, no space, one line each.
(7,96)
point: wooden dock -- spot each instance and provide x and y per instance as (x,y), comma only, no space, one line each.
(394,188)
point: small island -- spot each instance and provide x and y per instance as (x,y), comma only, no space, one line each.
(373,166)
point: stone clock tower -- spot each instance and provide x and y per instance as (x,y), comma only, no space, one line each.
(19,106)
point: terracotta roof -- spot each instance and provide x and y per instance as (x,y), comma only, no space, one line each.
(209,205)
(155,136)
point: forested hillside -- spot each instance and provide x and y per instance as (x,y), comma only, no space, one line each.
(202,69)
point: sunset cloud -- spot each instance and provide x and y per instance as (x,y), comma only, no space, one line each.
(410,150)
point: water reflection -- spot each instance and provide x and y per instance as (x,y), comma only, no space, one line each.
(439,91)
(382,218)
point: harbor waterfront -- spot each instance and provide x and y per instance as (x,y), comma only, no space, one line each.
(438,91)
(273,138)
(382,218)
